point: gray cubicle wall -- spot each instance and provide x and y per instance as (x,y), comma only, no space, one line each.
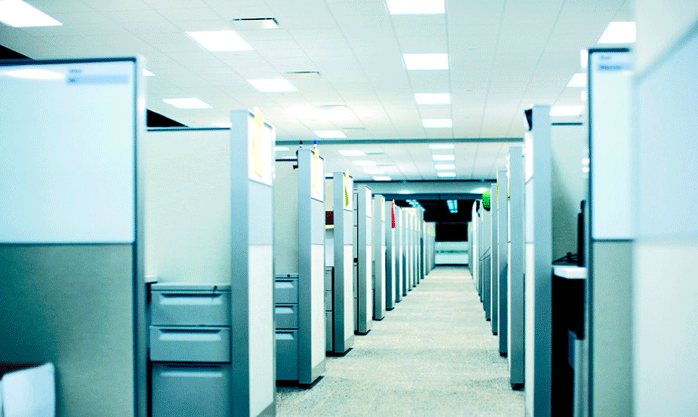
(299,261)
(399,254)
(474,257)
(494,258)
(390,256)
(485,247)
(379,258)
(363,251)
(342,280)
(502,251)
(71,234)
(538,281)
(515,269)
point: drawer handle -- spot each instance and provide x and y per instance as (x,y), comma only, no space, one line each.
(190,335)
(192,299)
(284,336)
(284,284)
(283,310)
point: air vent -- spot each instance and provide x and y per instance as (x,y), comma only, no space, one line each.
(251,23)
(303,75)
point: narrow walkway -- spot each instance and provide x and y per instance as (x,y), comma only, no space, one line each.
(433,355)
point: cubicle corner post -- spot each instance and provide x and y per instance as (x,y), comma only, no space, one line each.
(538,281)
(515,271)
(364,290)
(343,293)
(311,262)
(252,266)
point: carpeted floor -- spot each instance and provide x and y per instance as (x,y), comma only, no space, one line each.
(433,355)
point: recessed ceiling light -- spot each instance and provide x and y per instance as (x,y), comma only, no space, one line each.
(280,148)
(619,32)
(418,62)
(441,146)
(446,174)
(187,103)
(364,163)
(382,178)
(578,80)
(566,111)
(443,157)
(330,134)
(432,98)
(19,14)
(444,166)
(405,192)
(220,40)
(274,85)
(396,7)
(147,73)
(437,123)
(351,152)
(223,124)
(480,190)
(374,171)
(34,74)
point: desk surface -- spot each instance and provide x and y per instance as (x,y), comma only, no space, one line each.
(570,271)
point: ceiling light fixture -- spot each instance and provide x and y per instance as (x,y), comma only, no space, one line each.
(351,152)
(434,146)
(381,178)
(421,62)
(578,80)
(444,166)
(274,85)
(437,123)
(19,14)
(220,40)
(432,98)
(443,157)
(34,74)
(398,7)
(566,111)
(330,134)
(280,148)
(187,103)
(619,32)
(223,124)
(446,174)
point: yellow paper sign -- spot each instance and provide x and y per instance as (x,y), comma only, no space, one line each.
(346,189)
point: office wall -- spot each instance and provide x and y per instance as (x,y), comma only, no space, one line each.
(665,288)
(187,206)
(567,188)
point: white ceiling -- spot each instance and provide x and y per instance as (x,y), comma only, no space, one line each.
(504,56)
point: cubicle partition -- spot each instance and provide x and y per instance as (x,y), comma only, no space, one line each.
(379,258)
(485,247)
(474,256)
(494,258)
(299,263)
(339,278)
(401,253)
(363,253)
(212,308)
(538,261)
(501,261)
(390,257)
(515,267)
(71,229)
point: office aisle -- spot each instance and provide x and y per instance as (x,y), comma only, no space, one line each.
(433,355)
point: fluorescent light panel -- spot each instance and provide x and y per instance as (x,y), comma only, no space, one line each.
(274,85)
(566,111)
(446,174)
(19,14)
(619,32)
(330,134)
(432,98)
(398,7)
(351,152)
(444,166)
(578,80)
(423,62)
(34,74)
(187,103)
(435,146)
(220,40)
(440,157)
(280,148)
(437,123)
(223,124)
(381,178)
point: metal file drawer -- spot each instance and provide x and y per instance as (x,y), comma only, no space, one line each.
(183,390)
(287,355)
(286,316)
(329,336)
(182,305)
(286,290)
(329,274)
(189,344)
(328,300)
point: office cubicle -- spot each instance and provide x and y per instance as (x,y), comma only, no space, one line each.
(71,235)
(363,254)
(494,258)
(515,267)
(501,261)
(390,257)
(299,264)
(379,258)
